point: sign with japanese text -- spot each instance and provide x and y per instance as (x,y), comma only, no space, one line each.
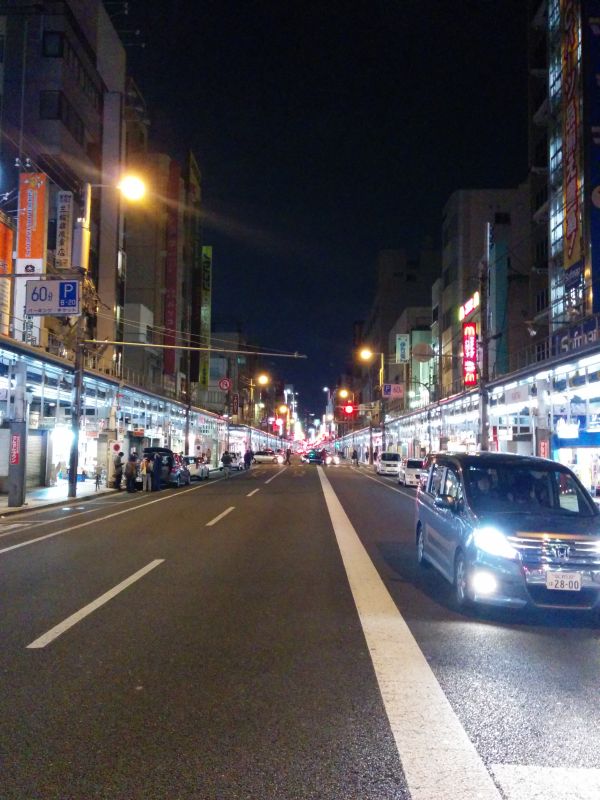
(64,230)
(15,448)
(31,248)
(205,313)
(52,298)
(469,354)
(571,130)
(468,307)
(402,348)
(171,268)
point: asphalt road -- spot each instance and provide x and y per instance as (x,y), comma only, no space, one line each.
(270,637)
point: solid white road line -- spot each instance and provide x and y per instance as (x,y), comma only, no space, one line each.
(254,491)
(216,519)
(63,626)
(438,758)
(404,493)
(95,520)
(276,475)
(538,783)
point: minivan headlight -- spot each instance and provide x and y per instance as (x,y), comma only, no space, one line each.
(494,542)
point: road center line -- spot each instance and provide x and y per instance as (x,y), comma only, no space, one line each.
(277,474)
(254,491)
(63,626)
(220,516)
(95,520)
(438,758)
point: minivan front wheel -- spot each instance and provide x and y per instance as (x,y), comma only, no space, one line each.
(460,581)
(421,560)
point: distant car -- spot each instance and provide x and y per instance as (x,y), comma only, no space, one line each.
(198,470)
(410,471)
(268,457)
(510,531)
(174,471)
(387,464)
(315,457)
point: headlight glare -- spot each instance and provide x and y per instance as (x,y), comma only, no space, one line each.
(494,542)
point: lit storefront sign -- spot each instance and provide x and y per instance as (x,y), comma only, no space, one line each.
(469,353)
(591,109)
(468,307)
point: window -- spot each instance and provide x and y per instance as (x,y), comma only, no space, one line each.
(53,44)
(50,105)
(54,105)
(437,473)
(452,487)
(541,300)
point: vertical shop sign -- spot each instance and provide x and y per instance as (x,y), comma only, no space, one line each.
(64,230)
(469,354)
(6,254)
(402,348)
(193,203)
(591,110)
(571,130)
(15,448)
(31,248)
(205,309)
(171,282)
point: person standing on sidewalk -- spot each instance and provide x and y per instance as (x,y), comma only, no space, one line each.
(130,473)
(118,471)
(226,460)
(146,473)
(156,472)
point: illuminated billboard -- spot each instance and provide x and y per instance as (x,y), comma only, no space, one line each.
(469,330)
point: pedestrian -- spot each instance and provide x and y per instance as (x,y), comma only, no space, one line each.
(226,460)
(130,473)
(288,456)
(98,471)
(156,472)
(355,458)
(146,473)
(248,456)
(118,471)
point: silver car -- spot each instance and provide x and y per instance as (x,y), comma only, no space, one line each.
(510,531)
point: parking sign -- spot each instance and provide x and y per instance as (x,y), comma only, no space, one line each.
(52,298)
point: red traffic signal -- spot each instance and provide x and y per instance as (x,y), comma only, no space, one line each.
(349,409)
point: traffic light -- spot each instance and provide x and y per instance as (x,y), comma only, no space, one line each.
(349,409)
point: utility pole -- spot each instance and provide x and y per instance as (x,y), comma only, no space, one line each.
(484,443)
(18,440)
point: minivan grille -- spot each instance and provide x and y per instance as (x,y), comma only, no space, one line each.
(552,549)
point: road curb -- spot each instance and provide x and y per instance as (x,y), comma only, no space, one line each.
(9,512)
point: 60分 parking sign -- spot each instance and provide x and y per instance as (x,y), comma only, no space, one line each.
(52,298)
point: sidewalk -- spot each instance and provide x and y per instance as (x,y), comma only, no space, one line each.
(53,495)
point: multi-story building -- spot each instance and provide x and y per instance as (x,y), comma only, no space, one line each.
(63,88)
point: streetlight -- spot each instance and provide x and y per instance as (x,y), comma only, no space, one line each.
(132,188)
(366,354)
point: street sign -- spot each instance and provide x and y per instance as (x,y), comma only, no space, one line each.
(52,298)
(393,390)
(225,384)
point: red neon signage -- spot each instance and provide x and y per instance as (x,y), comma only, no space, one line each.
(469,353)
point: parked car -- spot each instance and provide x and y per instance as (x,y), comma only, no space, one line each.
(387,464)
(174,471)
(316,457)
(511,531)
(410,471)
(268,457)
(198,470)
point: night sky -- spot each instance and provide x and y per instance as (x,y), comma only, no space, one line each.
(325,132)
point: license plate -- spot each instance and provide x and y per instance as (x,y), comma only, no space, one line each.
(563,581)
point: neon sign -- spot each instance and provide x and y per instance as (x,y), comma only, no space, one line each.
(471,304)
(469,353)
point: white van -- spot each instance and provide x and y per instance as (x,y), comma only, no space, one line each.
(387,464)
(409,471)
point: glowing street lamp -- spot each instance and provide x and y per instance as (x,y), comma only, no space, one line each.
(132,187)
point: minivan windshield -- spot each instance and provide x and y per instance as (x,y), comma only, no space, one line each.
(414,463)
(390,457)
(510,487)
